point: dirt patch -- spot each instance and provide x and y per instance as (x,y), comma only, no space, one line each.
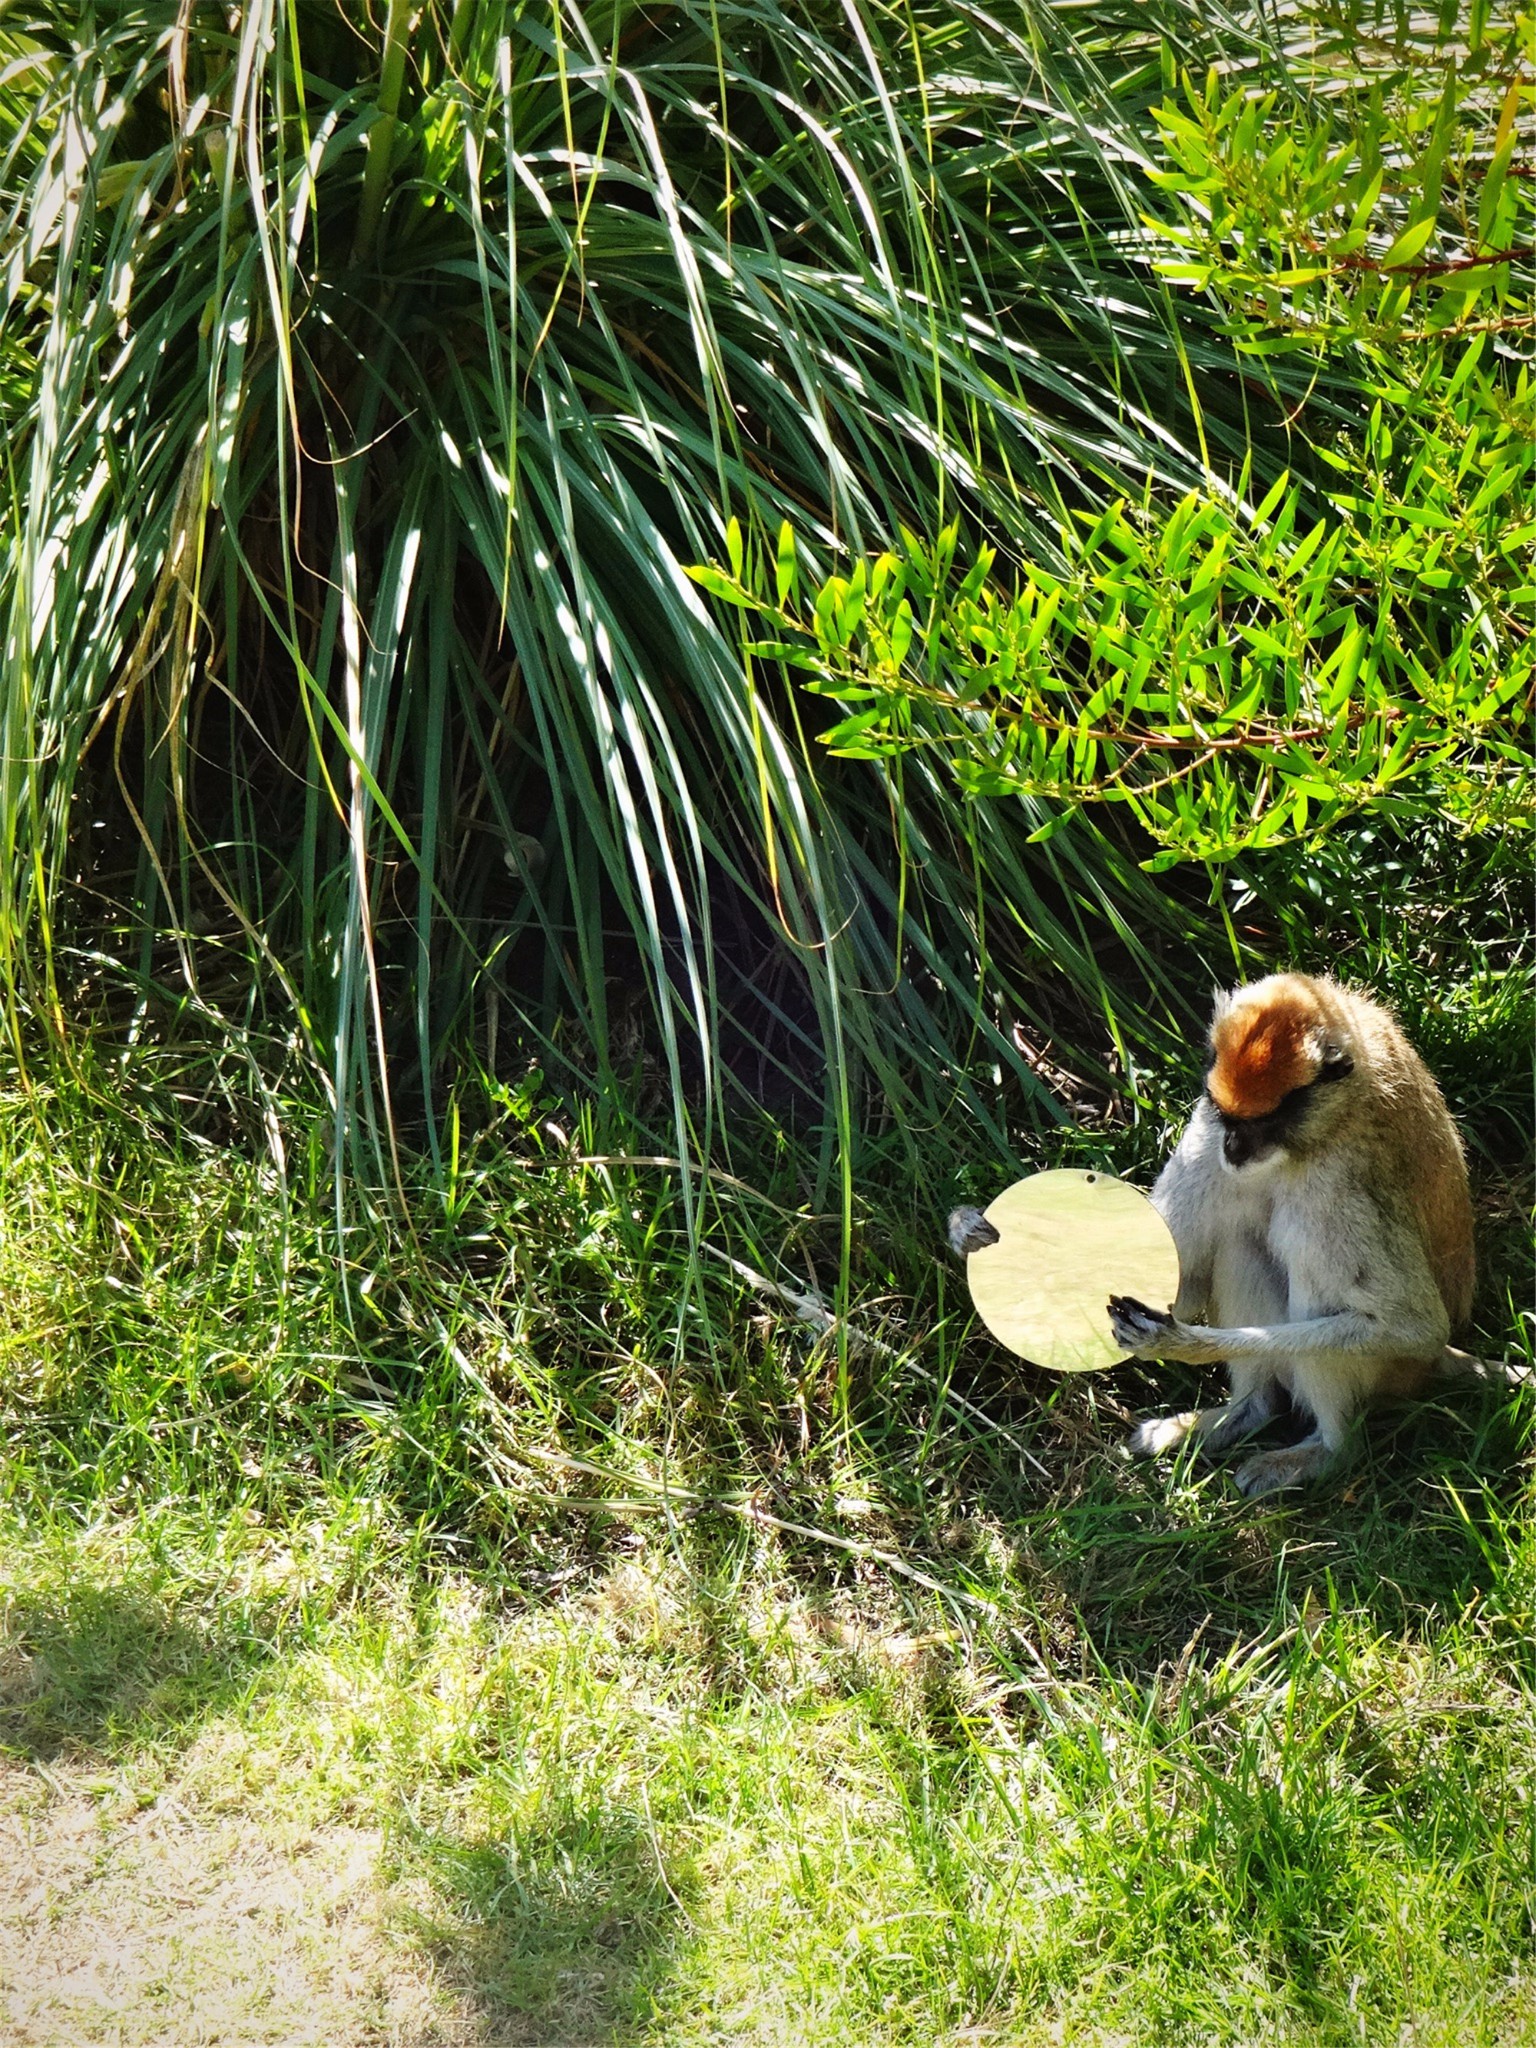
(123,1926)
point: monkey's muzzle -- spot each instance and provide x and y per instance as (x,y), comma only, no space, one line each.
(1245,1139)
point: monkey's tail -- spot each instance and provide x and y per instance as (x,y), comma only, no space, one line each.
(1495,1372)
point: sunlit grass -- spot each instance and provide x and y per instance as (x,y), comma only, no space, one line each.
(463,1622)
(686,1796)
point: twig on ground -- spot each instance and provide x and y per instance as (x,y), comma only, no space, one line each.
(811,1310)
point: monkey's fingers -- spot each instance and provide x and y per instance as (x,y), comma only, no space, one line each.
(1128,1305)
(1138,1328)
(969,1231)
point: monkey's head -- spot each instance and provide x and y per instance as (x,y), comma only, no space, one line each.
(1277,1050)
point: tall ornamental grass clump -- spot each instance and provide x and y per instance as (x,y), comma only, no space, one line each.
(371,379)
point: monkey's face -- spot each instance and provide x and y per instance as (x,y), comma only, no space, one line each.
(1274,1054)
(1291,1128)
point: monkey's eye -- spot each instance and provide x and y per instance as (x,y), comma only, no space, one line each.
(1335,1066)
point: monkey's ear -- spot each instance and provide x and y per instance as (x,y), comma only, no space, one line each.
(1221,1001)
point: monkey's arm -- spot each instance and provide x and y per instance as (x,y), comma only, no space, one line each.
(1145,1333)
(1356,1276)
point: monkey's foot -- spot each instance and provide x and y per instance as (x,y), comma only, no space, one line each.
(969,1231)
(1271,1470)
(1155,1434)
(1141,1332)
(1221,1428)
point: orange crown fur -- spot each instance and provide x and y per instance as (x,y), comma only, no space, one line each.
(1266,1044)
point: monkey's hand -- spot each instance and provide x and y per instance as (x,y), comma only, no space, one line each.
(969,1231)
(1141,1332)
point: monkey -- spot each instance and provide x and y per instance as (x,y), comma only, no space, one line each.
(1318,1198)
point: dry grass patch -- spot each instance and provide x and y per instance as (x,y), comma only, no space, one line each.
(174,1928)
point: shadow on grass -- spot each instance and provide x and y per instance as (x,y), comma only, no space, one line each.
(559,1932)
(1147,1558)
(90,1665)
(1119,1565)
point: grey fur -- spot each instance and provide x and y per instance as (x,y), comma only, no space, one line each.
(969,1231)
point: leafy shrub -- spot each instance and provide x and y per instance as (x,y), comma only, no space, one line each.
(1238,673)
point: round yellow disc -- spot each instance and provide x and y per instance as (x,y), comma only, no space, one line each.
(1067,1241)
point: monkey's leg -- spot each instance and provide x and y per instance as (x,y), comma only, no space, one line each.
(1155,1434)
(1297,1465)
(1332,1400)
(1245,1286)
(1256,1399)
(1335,1396)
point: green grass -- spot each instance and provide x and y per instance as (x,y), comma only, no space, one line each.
(689,1796)
(421,1646)
(440,1603)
